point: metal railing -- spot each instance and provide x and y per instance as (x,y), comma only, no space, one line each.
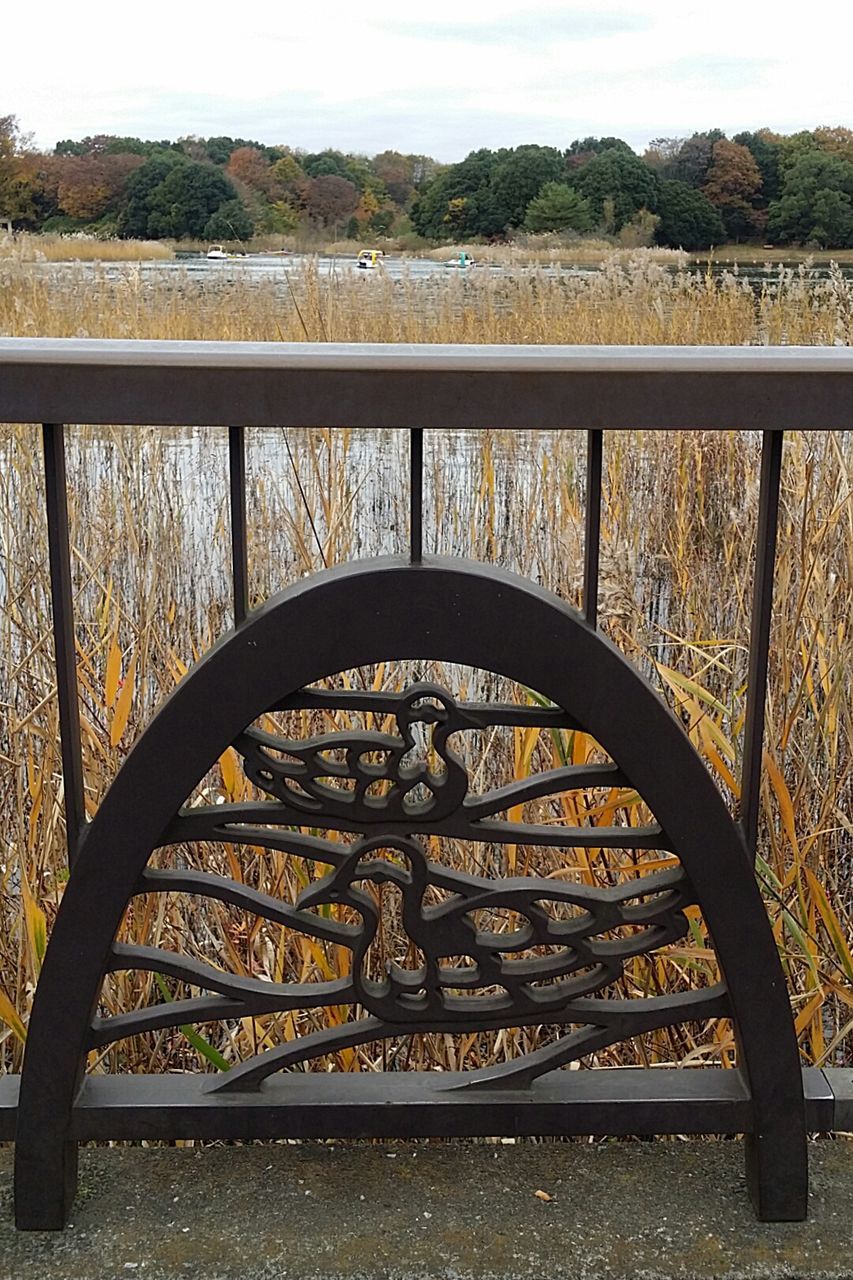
(241,385)
(595,389)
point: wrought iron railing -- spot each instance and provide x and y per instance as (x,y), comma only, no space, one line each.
(371,791)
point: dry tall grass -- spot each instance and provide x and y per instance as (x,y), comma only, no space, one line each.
(553,250)
(633,301)
(22,248)
(149,532)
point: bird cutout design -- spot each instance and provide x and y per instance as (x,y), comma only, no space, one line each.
(575,961)
(565,944)
(358,781)
(572,961)
(370,775)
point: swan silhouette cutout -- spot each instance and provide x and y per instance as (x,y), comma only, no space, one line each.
(577,962)
(366,775)
(358,781)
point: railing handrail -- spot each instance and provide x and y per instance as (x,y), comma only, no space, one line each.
(470,357)
(379,385)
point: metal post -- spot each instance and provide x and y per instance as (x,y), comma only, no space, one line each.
(759,634)
(592,532)
(416,465)
(63,634)
(239,538)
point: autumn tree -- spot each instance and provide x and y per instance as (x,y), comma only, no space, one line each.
(396,172)
(219,150)
(17,172)
(764,147)
(732,184)
(330,199)
(88,186)
(290,179)
(694,158)
(193,147)
(367,207)
(661,155)
(250,166)
(425,170)
(836,140)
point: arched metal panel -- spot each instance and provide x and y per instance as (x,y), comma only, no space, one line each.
(454,612)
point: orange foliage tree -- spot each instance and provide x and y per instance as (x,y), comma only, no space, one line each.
(732,183)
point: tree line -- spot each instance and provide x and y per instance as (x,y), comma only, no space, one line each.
(694,192)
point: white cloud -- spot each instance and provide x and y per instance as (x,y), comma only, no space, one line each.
(475,73)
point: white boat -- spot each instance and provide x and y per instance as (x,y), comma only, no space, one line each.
(368,259)
(217,253)
(463,261)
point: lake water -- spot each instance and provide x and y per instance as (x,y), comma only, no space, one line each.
(272,267)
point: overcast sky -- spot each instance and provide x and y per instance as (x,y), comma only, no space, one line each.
(456,75)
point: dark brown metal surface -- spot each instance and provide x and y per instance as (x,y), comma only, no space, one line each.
(416,494)
(759,635)
(460,613)
(209,384)
(64,643)
(592,525)
(391,796)
(615,1102)
(239,535)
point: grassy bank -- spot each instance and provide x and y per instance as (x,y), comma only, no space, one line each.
(24,248)
(757,253)
(527,251)
(634,299)
(149,531)
(549,251)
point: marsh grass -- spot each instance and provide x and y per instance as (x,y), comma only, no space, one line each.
(552,250)
(23,248)
(149,532)
(633,300)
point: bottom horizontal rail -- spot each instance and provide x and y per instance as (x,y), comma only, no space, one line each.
(617,1102)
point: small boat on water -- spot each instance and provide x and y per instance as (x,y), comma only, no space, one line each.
(463,261)
(216,251)
(368,259)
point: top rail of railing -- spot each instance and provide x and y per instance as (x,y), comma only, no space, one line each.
(392,385)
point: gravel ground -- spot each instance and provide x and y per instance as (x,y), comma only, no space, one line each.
(647,1211)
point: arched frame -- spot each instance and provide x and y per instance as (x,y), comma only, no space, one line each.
(450,611)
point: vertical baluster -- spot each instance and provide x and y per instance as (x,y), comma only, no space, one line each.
(239,538)
(62,607)
(592,530)
(759,634)
(416,512)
